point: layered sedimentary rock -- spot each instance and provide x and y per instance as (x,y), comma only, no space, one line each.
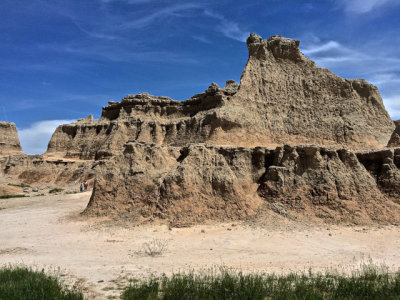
(37,169)
(228,152)
(199,182)
(395,138)
(283,98)
(9,141)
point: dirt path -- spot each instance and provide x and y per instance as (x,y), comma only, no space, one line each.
(39,231)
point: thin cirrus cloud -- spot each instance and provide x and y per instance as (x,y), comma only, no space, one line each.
(364,6)
(228,28)
(159,15)
(34,139)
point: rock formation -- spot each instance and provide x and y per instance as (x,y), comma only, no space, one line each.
(292,137)
(283,98)
(9,141)
(198,182)
(39,170)
(395,138)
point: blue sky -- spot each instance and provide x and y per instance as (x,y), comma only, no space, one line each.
(63,60)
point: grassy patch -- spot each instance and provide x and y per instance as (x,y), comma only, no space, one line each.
(55,190)
(11,196)
(21,185)
(370,283)
(23,283)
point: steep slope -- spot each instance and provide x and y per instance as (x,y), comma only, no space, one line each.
(301,103)
(9,141)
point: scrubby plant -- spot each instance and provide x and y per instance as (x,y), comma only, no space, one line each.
(27,284)
(11,196)
(370,283)
(55,190)
(21,185)
(155,247)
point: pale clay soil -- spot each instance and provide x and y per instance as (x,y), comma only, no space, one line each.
(48,232)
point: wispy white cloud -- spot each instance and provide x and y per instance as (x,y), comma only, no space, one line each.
(137,23)
(363,6)
(34,139)
(201,39)
(227,27)
(332,52)
(110,53)
(393,106)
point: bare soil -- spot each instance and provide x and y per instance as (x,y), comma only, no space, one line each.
(100,256)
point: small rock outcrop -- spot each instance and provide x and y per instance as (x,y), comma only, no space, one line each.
(9,141)
(395,138)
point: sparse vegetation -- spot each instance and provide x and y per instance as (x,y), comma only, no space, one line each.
(370,283)
(21,185)
(55,190)
(155,247)
(11,196)
(24,283)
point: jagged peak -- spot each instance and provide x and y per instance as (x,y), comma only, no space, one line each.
(276,46)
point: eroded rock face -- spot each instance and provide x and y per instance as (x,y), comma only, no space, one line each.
(182,185)
(395,138)
(34,169)
(300,103)
(198,182)
(9,141)
(283,98)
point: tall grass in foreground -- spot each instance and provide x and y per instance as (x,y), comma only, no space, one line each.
(370,283)
(25,284)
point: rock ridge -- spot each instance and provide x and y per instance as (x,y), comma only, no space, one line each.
(283,98)
(9,141)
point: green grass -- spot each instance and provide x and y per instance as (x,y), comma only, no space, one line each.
(11,196)
(25,284)
(22,185)
(370,283)
(55,190)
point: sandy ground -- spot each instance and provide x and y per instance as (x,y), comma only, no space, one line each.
(47,232)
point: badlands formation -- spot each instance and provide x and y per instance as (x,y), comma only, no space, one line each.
(292,138)
(9,141)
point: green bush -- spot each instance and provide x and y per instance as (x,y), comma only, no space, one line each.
(25,284)
(11,196)
(22,185)
(368,284)
(55,190)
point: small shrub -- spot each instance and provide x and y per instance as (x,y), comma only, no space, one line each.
(55,190)
(22,185)
(26,284)
(155,247)
(12,196)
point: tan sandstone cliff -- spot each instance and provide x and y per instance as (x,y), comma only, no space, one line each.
(283,98)
(9,141)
